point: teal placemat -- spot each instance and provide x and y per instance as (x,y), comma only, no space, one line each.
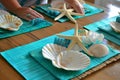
(90,10)
(20,59)
(65,75)
(26,27)
(103,26)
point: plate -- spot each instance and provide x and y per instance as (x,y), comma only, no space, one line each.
(115,26)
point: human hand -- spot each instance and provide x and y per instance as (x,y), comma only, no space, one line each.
(76,5)
(27,13)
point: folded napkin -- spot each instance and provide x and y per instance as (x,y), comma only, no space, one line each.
(34,24)
(89,10)
(118,19)
(66,75)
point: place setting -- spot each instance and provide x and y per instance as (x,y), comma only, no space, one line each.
(54,9)
(66,59)
(109,27)
(11,25)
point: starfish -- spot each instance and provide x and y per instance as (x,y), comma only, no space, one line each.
(66,12)
(76,39)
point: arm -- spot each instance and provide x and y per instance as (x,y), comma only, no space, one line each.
(22,12)
(10,4)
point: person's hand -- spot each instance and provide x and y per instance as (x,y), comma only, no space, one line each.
(27,13)
(76,5)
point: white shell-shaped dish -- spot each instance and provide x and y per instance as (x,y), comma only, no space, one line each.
(2,12)
(99,50)
(115,26)
(73,60)
(51,51)
(92,37)
(10,22)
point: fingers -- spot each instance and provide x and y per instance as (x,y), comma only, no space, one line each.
(79,8)
(76,5)
(27,13)
(36,14)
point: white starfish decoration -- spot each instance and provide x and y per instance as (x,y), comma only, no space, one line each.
(75,39)
(66,12)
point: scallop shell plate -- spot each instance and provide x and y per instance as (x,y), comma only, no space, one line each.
(67,60)
(115,26)
(10,22)
(73,60)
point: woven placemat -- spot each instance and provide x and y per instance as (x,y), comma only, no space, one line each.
(104,64)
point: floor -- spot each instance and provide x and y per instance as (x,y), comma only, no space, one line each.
(112,5)
(105,2)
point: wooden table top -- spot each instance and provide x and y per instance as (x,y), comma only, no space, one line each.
(110,72)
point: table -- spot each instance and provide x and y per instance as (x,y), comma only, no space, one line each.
(110,72)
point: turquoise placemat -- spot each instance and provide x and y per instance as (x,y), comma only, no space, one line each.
(35,24)
(103,26)
(66,75)
(90,10)
(20,59)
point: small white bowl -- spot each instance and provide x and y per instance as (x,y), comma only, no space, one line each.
(10,22)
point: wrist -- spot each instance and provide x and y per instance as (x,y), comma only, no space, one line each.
(14,10)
